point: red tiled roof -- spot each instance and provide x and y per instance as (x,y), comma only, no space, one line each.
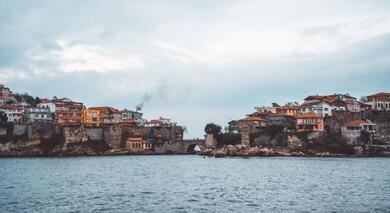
(105,109)
(307,115)
(356,122)
(252,118)
(135,139)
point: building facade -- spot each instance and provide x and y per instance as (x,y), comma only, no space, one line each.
(138,144)
(351,130)
(379,101)
(309,122)
(108,115)
(91,117)
(66,111)
(14,112)
(320,108)
(37,114)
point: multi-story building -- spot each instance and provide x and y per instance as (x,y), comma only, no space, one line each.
(274,108)
(130,117)
(309,122)
(289,110)
(287,121)
(351,130)
(91,117)
(37,114)
(14,112)
(379,101)
(319,107)
(108,115)
(66,111)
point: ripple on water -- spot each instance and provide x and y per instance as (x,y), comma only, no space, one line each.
(194,184)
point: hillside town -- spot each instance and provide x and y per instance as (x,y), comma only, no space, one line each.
(22,116)
(319,120)
(333,124)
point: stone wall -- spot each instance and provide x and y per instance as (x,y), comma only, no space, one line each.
(113,136)
(210,141)
(74,134)
(382,133)
(19,129)
(95,134)
(40,130)
(160,134)
(6,132)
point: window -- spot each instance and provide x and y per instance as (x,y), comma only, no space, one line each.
(326,109)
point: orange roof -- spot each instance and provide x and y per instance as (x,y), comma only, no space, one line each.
(380,94)
(135,139)
(105,109)
(356,122)
(154,122)
(10,106)
(291,107)
(307,115)
(130,121)
(252,118)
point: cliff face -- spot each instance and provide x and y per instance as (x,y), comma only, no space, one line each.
(44,139)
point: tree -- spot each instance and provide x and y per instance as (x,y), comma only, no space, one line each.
(3,117)
(212,128)
(364,137)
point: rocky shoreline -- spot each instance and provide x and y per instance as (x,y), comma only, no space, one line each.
(241,150)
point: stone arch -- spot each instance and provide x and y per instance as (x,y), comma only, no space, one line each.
(192,149)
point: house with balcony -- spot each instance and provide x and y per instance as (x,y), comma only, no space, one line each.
(37,115)
(352,129)
(379,101)
(14,112)
(277,119)
(66,112)
(108,115)
(319,107)
(91,117)
(290,109)
(309,122)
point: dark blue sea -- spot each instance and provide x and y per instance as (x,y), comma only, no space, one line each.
(194,184)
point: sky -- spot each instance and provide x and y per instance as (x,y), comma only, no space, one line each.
(194,61)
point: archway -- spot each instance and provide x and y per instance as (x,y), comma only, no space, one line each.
(193,149)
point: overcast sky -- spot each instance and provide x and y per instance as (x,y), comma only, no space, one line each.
(194,61)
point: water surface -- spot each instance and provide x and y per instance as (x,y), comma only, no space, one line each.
(194,184)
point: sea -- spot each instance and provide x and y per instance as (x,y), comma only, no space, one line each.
(192,183)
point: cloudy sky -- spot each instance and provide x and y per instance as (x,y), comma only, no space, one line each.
(194,61)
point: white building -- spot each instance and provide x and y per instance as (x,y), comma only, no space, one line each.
(320,108)
(379,101)
(38,114)
(351,130)
(14,113)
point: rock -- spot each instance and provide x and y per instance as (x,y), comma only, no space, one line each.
(220,153)
(253,151)
(231,150)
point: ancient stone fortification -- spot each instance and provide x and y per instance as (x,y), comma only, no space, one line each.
(39,139)
(113,136)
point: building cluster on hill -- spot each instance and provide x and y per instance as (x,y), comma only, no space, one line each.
(309,116)
(22,108)
(63,112)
